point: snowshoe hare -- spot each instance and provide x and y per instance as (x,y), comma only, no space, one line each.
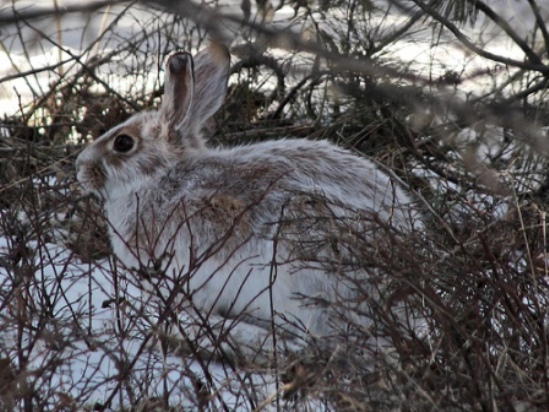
(255,232)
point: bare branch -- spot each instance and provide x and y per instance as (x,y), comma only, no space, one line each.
(542,25)
(530,54)
(478,50)
(39,12)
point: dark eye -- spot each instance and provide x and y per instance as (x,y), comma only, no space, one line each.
(123,143)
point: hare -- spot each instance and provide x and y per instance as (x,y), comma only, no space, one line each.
(249,232)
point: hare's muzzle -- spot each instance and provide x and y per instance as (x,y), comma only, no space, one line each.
(90,172)
(80,175)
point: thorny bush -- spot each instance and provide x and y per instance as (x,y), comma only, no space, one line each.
(461,313)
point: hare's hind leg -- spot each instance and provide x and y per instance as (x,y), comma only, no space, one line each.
(220,338)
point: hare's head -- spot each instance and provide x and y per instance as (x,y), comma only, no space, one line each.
(148,144)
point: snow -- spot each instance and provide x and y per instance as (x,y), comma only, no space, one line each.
(86,343)
(90,341)
(81,36)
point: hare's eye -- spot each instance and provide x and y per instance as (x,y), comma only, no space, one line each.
(123,143)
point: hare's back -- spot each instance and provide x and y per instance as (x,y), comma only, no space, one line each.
(331,171)
(274,171)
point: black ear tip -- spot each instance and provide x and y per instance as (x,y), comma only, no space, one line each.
(178,62)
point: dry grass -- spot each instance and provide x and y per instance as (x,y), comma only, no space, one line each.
(475,277)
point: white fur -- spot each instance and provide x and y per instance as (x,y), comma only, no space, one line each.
(236,280)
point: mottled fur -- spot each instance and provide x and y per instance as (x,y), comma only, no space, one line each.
(242,225)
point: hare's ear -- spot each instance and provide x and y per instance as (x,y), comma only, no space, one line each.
(211,72)
(194,91)
(178,94)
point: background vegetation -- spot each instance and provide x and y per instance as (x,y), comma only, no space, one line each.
(451,96)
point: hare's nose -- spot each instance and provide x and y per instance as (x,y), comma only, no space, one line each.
(82,158)
(78,163)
